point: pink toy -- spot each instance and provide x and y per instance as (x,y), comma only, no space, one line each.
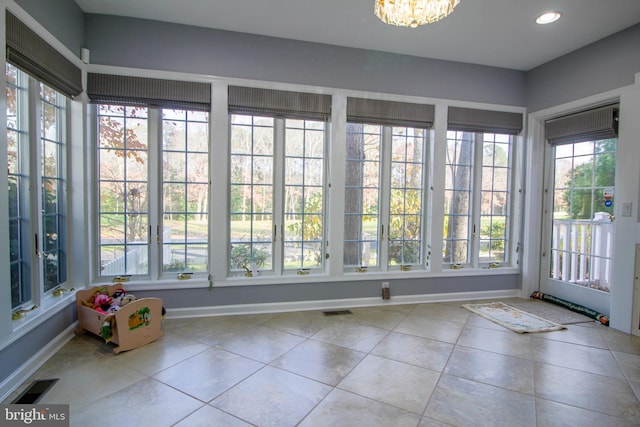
(102,302)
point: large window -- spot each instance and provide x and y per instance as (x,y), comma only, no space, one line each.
(384,217)
(478,187)
(477,198)
(127,206)
(153,176)
(277,217)
(36,148)
(277,181)
(385,201)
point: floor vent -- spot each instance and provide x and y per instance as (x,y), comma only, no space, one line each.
(35,391)
(336,312)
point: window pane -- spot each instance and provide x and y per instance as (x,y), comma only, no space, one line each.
(582,235)
(185,192)
(495,196)
(251,198)
(406,202)
(52,147)
(18,177)
(304,194)
(123,181)
(457,208)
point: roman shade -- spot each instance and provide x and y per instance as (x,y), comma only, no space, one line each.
(591,125)
(29,52)
(149,92)
(279,103)
(486,121)
(391,113)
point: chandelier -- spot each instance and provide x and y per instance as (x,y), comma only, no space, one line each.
(411,13)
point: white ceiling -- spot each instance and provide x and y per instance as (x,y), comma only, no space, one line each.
(501,33)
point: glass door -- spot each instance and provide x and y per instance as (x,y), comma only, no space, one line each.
(578,255)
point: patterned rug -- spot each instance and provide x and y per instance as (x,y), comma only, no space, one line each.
(513,318)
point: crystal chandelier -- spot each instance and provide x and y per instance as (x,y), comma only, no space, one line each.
(411,13)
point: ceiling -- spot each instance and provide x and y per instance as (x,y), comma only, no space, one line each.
(500,33)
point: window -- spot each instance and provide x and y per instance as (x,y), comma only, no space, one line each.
(123,197)
(53,163)
(153,176)
(257,222)
(185,191)
(477,210)
(477,198)
(126,204)
(277,181)
(385,201)
(36,141)
(251,194)
(583,228)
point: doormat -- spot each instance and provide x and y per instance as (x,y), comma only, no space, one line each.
(599,317)
(513,318)
(548,310)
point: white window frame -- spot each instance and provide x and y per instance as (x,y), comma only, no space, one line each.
(386,136)
(475,215)
(278,221)
(154,181)
(33,242)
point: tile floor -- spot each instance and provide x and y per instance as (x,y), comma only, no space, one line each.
(405,365)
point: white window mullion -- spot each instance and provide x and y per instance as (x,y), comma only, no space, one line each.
(439,170)
(385,196)
(514,204)
(476,202)
(278,196)
(35,190)
(427,202)
(336,176)
(219,183)
(155,192)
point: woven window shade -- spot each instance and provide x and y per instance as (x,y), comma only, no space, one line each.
(142,91)
(29,52)
(279,103)
(390,113)
(592,125)
(486,121)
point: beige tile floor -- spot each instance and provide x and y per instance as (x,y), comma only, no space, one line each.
(405,365)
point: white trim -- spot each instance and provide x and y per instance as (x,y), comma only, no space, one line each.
(20,375)
(282,307)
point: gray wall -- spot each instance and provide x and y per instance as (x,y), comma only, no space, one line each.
(18,353)
(138,43)
(605,65)
(62,18)
(203,297)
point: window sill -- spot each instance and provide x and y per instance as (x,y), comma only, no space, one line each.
(161,285)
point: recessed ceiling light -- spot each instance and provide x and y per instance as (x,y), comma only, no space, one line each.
(548,18)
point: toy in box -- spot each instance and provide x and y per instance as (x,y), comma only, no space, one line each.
(118,317)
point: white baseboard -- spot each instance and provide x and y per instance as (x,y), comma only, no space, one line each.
(280,307)
(20,375)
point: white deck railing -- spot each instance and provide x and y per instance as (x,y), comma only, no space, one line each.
(582,251)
